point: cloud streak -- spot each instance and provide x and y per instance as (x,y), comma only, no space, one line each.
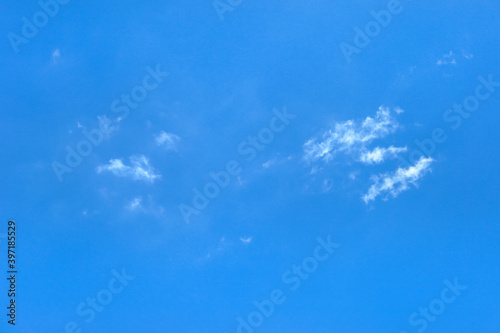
(450,58)
(135,204)
(350,137)
(167,140)
(395,183)
(246,241)
(378,155)
(139,169)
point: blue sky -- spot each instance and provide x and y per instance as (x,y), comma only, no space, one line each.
(343,164)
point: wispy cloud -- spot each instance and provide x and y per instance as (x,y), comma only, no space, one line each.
(398,181)
(351,137)
(353,175)
(106,125)
(269,163)
(139,169)
(398,110)
(222,246)
(135,204)
(450,58)
(327,185)
(56,54)
(246,241)
(467,56)
(447,59)
(147,206)
(167,140)
(378,155)
(276,161)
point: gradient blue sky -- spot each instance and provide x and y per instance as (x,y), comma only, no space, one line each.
(225,78)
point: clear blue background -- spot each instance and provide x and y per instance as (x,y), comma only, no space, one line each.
(225,78)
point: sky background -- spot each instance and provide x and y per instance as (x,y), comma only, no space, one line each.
(225,78)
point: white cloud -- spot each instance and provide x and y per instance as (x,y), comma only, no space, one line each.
(327,185)
(315,169)
(268,163)
(246,241)
(397,182)
(447,59)
(450,58)
(106,125)
(56,54)
(139,169)
(378,155)
(135,204)
(167,140)
(276,161)
(467,56)
(146,206)
(353,175)
(351,137)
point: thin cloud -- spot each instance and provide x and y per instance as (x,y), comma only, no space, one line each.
(167,140)
(395,183)
(246,241)
(351,137)
(378,155)
(450,58)
(135,204)
(147,206)
(276,161)
(447,59)
(269,163)
(467,56)
(56,54)
(327,185)
(106,125)
(218,249)
(353,175)
(139,169)
(398,110)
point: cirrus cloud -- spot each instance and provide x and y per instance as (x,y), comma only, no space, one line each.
(167,140)
(395,183)
(350,137)
(139,169)
(378,155)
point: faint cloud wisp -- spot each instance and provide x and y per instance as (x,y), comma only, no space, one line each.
(139,169)
(351,137)
(398,181)
(167,140)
